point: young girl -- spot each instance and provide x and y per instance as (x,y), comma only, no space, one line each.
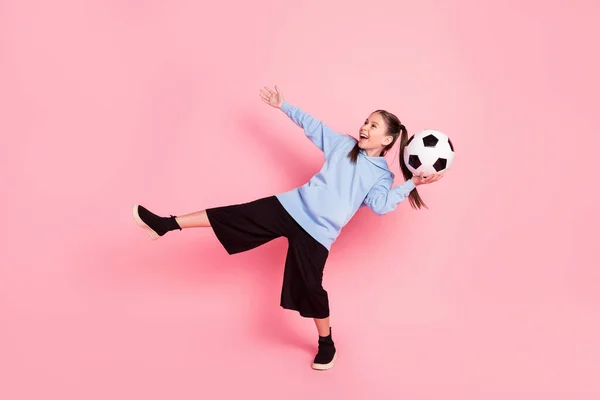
(355,174)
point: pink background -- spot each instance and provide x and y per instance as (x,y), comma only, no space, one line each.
(492,293)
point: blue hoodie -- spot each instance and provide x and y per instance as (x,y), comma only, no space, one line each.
(325,204)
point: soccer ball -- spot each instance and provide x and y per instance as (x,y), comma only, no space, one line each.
(428,152)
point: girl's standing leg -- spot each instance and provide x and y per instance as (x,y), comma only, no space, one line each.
(303,289)
(322,326)
(327,353)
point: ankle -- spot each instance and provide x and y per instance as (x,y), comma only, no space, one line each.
(328,335)
(171,223)
(326,340)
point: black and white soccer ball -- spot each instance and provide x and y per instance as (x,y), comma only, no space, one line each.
(428,152)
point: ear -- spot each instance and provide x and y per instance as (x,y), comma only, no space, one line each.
(387,140)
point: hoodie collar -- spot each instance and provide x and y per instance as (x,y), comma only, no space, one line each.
(379,162)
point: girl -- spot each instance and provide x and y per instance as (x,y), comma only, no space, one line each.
(355,174)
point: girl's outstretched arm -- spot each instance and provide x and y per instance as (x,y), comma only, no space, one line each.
(382,199)
(323,136)
(320,134)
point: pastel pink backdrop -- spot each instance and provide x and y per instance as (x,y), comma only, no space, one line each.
(492,292)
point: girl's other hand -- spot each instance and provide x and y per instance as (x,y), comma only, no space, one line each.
(422,180)
(273,98)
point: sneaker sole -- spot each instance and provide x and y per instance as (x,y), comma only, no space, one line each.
(136,216)
(323,367)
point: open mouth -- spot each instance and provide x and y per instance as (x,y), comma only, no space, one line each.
(363,136)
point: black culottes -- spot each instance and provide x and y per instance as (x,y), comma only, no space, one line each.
(243,227)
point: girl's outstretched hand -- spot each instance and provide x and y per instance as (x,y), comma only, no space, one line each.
(422,180)
(272,97)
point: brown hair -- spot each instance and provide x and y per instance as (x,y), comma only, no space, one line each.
(394,129)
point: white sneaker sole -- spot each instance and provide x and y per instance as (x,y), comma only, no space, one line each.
(323,367)
(136,216)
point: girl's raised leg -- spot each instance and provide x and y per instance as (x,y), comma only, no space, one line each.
(193,220)
(157,226)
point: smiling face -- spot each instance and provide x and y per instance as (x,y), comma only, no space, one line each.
(373,135)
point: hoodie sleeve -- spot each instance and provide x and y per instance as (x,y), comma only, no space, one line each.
(382,199)
(320,134)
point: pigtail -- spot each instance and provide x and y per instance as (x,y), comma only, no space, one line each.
(353,154)
(414,197)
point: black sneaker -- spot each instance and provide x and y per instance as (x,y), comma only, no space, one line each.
(326,355)
(155,225)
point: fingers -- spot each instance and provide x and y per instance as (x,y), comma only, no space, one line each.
(422,179)
(265,98)
(266,95)
(269,91)
(433,178)
(266,91)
